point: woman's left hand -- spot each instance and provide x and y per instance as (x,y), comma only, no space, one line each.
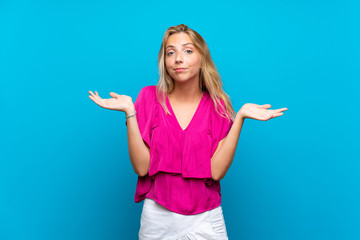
(259,112)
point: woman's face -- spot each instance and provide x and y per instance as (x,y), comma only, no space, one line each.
(182,59)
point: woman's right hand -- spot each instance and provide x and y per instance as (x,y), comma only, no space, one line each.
(117,102)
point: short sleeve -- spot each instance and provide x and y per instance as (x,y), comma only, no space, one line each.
(226,125)
(221,125)
(145,108)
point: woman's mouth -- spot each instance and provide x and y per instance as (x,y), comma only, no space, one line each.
(180,69)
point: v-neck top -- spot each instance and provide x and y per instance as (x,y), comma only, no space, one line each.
(179,176)
(176,122)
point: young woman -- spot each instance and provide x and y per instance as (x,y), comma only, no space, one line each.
(182,136)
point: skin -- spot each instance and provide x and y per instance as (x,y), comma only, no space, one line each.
(181,53)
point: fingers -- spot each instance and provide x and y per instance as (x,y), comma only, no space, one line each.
(275,110)
(281,109)
(114,95)
(265,106)
(277,114)
(92,94)
(95,97)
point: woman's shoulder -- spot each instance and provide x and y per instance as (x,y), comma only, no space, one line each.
(218,111)
(147,92)
(220,104)
(148,89)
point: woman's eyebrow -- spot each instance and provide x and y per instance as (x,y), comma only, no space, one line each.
(183,45)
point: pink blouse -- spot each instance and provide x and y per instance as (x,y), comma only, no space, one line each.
(179,175)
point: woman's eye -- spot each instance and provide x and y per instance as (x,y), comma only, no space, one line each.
(188,51)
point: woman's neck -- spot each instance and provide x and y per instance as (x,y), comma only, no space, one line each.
(186,92)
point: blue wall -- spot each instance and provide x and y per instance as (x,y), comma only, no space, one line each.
(65,171)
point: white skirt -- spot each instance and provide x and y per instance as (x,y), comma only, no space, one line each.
(158,222)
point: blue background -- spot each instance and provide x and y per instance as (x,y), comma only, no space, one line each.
(65,171)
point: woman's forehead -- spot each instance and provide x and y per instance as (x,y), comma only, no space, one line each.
(179,39)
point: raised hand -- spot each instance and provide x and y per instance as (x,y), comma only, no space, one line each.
(118,102)
(260,112)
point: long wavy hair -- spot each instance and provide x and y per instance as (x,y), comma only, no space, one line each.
(209,79)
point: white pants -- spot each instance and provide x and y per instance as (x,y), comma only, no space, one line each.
(158,222)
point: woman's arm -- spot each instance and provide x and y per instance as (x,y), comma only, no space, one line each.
(139,152)
(225,151)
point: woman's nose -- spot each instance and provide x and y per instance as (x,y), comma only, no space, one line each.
(179,58)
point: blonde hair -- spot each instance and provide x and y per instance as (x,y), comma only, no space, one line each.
(209,79)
